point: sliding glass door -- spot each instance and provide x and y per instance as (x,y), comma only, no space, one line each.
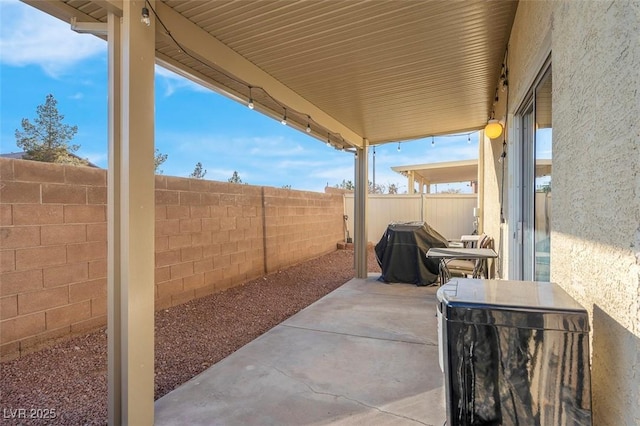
(542,179)
(531,245)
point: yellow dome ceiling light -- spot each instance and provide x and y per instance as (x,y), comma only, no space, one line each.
(493,129)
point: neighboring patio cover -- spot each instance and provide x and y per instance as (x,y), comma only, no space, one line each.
(452,172)
(435,173)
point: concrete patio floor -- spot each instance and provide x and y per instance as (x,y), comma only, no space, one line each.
(367,353)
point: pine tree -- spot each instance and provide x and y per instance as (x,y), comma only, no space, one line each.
(235,178)
(47,139)
(198,173)
(158,159)
(346,184)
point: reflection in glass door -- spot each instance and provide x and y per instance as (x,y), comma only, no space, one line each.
(533,211)
(542,189)
(528,143)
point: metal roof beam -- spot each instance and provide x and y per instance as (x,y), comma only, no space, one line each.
(205,81)
(95,28)
(60,10)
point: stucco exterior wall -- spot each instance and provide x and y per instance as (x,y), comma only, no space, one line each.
(529,47)
(595,240)
(490,210)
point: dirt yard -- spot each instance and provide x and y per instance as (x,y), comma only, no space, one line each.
(68,381)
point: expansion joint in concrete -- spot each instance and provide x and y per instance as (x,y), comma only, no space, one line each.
(360,335)
(317,392)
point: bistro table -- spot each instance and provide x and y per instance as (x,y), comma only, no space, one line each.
(466,241)
(450,253)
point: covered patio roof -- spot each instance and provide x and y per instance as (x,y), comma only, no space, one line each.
(379,71)
(352,73)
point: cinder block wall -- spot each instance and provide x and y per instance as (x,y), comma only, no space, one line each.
(209,236)
(300,225)
(53,248)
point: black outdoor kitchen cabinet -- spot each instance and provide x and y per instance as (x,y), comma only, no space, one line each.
(513,353)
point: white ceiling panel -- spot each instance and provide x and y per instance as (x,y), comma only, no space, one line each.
(384,70)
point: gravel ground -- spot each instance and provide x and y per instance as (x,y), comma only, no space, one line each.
(68,380)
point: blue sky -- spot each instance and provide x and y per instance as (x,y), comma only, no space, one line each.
(41,55)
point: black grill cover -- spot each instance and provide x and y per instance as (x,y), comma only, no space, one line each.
(401,253)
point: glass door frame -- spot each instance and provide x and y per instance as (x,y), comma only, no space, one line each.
(522,156)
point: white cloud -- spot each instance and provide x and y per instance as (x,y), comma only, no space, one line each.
(195,144)
(272,146)
(301,164)
(173,82)
(31,37)
(77,96)
(333,173)
(254,147)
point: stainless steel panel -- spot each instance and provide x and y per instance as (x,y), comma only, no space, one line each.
(543,297)
(506,363)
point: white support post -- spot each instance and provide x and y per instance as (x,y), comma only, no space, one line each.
(411,182)
(360,222)
(114,368)
(131,218)
(481,182)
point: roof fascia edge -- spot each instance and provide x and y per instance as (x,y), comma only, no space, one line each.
(182,70)
(427,135)
(195,76)
(210,49)
(59,10)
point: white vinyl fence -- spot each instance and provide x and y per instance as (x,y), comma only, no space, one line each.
(449,214)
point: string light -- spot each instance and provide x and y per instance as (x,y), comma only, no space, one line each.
(503,154)
(145,16)
(433,141)
(468,138)
(266,96)
(250,104)
(398,146)
(504,77)
(494,128)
